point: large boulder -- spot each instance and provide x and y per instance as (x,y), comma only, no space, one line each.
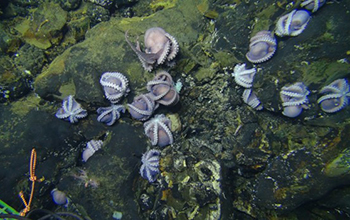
(78,70)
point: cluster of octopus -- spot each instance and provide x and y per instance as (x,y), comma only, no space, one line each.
(161,48)
(294,97)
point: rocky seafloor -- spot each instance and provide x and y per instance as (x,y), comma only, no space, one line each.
(228,161)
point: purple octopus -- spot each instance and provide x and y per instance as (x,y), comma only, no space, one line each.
(115,86)
(337,95)
(158,130)
(293,23)
(262,47)
(91,147)
(150,165)
(142,107)
(109,115)
(294,99)
(71,110)
(312,5)
(250,98)
(162,89)
(244,77)
(160,47)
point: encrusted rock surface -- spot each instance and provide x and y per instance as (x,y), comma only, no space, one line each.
(228,161)
(81,66)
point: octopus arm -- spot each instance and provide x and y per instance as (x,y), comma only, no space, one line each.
(144,57)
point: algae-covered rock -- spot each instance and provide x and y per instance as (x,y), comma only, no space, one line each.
(300,176)
(105,49)
(77,29)
(30,59)
(69,4)
(8,43)
(14,83)
(102,184)
(204,74)
(323,72)
(45,26)
(339,166)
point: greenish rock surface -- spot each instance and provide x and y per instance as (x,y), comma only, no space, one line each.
(45,27)
(82,65)
(339,166)
(8,43)
(228,161)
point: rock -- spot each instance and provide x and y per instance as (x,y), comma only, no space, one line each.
(8,43)
(288,176)
(24,127)
(77,30)
(340,166)
(46,26)
(338,199)
(81,66)
(299,176)
(96,13)
(109,4)
(30,59)
(104,3)
(112,167)
(69,5)
(14,83)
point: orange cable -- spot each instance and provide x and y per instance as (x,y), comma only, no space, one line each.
(31,178)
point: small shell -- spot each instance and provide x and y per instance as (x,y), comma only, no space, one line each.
(59,197)
(91,147)
(117,215)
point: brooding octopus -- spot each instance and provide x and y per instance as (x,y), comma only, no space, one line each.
(160,47)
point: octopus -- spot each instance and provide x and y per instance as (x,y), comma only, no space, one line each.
(162,89)
(293,23)
(312,5)
(71,110)
(250,98)
(115,86)
(160,47)
(262,47)
(91,147)
(158,130)
(294,99)
(109,115)
(337,95)
(142,107)
(150,165)
(244,77)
